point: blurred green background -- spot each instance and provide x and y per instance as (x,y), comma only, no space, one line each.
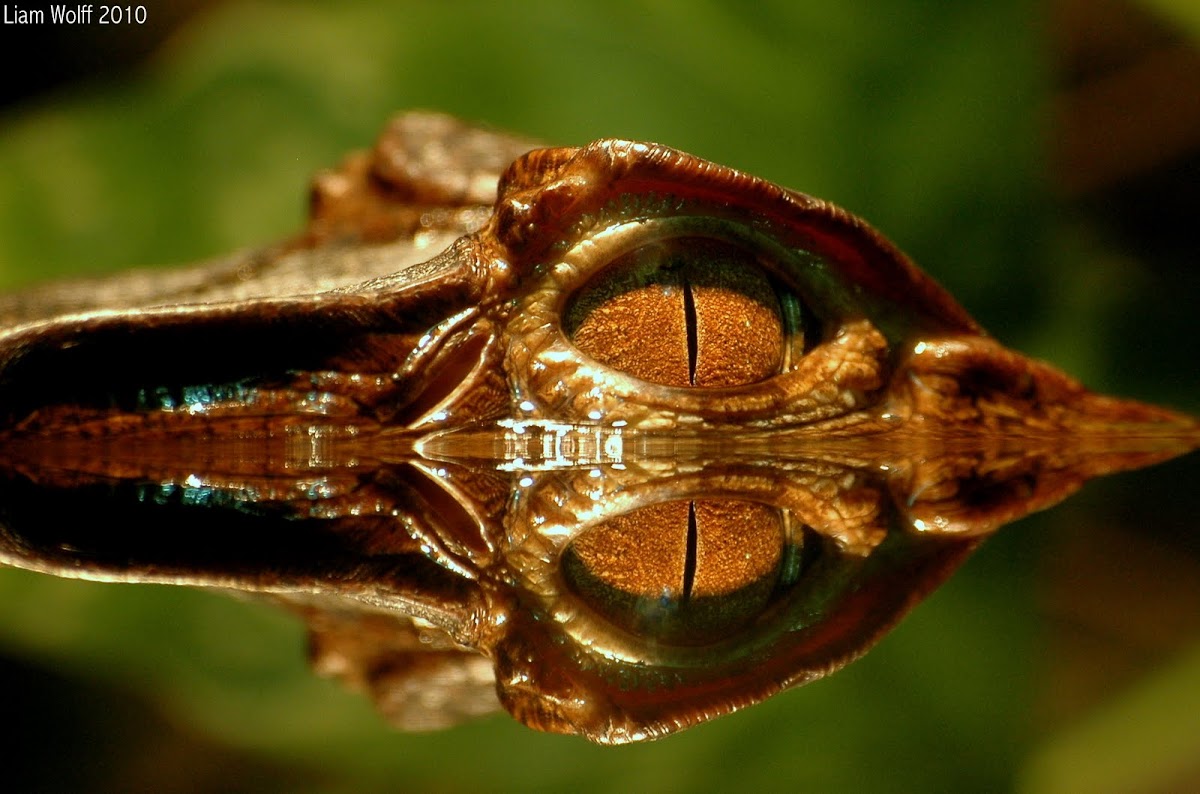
(1032,157)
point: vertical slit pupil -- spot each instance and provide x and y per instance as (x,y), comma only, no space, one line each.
(689,565)
(689,315)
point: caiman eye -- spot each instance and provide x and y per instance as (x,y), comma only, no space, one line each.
(686,572)
(687,311)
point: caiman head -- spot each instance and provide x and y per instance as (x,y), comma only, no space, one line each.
(634,443)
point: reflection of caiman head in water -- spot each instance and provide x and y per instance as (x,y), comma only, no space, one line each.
(650,440)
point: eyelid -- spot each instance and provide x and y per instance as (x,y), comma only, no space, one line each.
(582,261)
(549,369)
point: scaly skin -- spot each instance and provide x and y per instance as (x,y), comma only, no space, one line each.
(638,442)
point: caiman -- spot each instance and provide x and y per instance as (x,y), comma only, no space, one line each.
(613,437)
